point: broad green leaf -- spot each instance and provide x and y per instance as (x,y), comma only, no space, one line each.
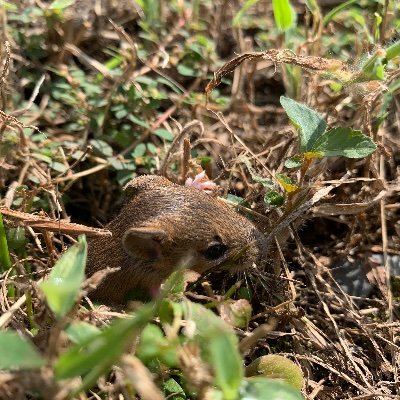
(274,198)
(95,355)
(116,163)
(17,353)
(344,142)
(227,364)
(138,121)
(173,390)
(16,238)
(236,200)
(61,289)
(57,166)
(78,332)
(170,84)
(164,134)
(219,346)
(140,150)
(154,345)
(271,389)
(283,14)
(185,70)
(310,124)
(102,147)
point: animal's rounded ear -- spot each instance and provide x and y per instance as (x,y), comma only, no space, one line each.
(144,242)
(145,182)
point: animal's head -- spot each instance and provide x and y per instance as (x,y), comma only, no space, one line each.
(184,225)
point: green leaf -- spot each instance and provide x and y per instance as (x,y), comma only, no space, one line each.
(57,166)
(236,200)
(16,238)
(227,364)
(95,355)
(138,121)
(164,134)
(271,389)
(283,14)
(310,124)
(140,150)
(17,353)
(344,142)
(286,183)
(61,289)
(274,198)
(186,70)
(294,162)
(102,147)
(219,346)
(154,345)
(173,391)
(116,163)
(78,332)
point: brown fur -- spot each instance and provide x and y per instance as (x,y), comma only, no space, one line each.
(163,225)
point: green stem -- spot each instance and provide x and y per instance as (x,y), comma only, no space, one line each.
(5,261)
(336,10)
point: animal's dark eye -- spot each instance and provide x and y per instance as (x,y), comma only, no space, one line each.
(215,251)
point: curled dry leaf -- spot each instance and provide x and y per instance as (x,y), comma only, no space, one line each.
(278,57)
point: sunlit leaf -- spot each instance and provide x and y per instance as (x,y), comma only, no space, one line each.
(17,353)
(310,124)
(344,142)
(286,183)
(78,332)
(61,289)
(271,389)
(95,355)
(283,14)
(219,346)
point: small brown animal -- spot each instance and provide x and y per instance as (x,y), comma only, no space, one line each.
(163,225)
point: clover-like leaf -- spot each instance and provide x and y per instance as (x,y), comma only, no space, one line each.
(310,124)
(344,142)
